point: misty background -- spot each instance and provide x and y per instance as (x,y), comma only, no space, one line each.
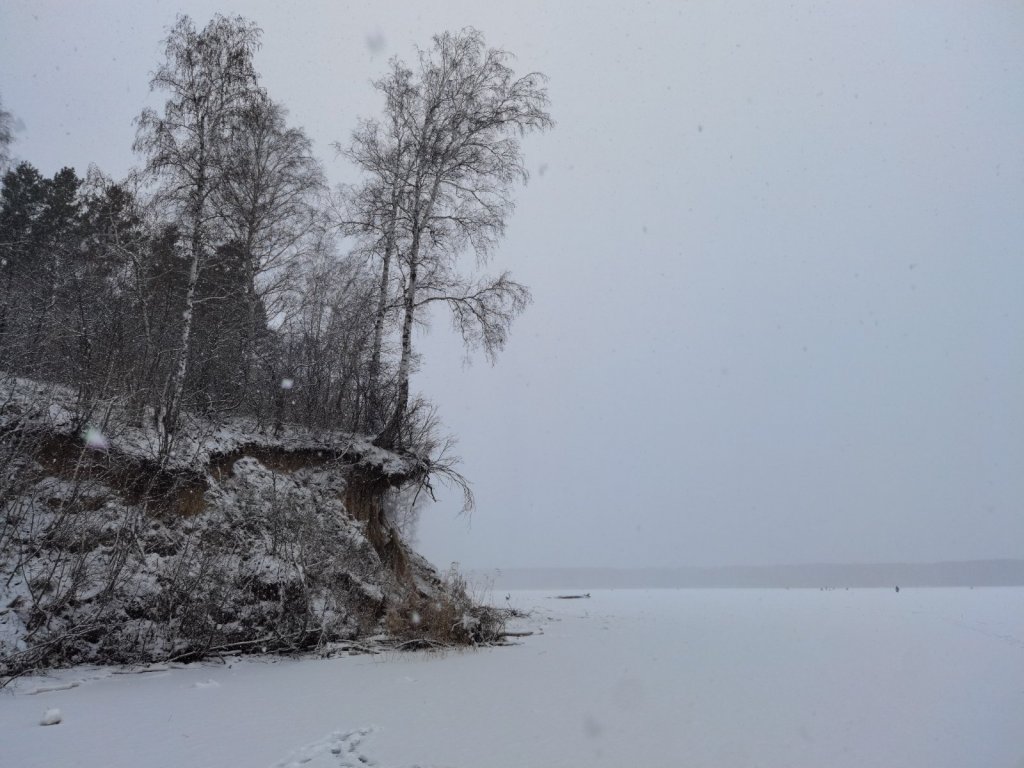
(775,251)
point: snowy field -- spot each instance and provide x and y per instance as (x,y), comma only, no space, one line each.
(716,678)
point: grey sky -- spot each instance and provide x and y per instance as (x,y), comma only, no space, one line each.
(777,252)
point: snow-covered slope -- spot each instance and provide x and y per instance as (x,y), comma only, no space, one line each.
(239,539)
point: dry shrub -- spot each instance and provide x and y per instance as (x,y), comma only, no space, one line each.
(447,617)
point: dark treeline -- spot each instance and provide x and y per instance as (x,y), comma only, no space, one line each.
(223,277)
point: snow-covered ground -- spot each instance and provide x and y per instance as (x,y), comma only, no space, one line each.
(721,678)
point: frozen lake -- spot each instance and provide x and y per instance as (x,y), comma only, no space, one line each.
(717,678)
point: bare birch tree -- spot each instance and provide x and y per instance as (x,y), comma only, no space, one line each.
(269,198)
(451,157)
(270,203)
(209,80)
(384,149)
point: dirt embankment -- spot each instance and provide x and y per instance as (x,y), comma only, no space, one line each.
(240,542)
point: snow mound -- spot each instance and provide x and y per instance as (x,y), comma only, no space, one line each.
(51,717)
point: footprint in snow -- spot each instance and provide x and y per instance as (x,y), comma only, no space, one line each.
(337,750)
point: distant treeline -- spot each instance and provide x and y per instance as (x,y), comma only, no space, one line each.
(970,573)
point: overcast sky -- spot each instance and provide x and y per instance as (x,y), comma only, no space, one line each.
(776,250)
